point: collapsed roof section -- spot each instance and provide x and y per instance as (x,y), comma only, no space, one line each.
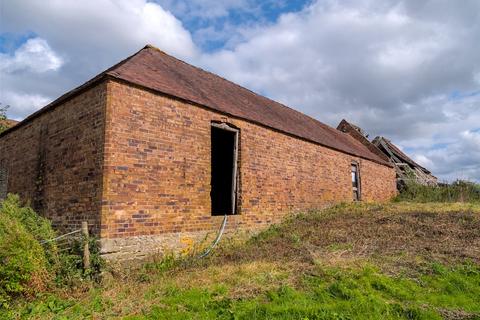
(362,137)
(406,168)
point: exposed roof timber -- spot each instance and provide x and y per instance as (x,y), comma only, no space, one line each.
(403,164)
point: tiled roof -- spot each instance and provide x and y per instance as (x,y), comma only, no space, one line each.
(156,70)
(153,69)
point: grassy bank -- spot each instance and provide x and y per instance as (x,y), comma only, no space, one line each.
(394,261)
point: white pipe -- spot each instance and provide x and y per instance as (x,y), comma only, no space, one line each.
(217,239)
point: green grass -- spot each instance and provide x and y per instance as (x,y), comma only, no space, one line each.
(369,261)
(331,293)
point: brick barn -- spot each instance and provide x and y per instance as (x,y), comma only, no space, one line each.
(153,152)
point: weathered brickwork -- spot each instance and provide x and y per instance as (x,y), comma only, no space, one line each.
(157,170)
(55,160)
(3,181)
(136,166)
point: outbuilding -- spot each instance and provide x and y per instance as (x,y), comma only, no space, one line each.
(153,152)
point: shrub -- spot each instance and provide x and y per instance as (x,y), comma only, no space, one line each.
(458,191)
(3,117)
(24,265)
(27,265)
(39,227)
(70,273)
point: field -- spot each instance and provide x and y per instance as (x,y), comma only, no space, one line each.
(369,261)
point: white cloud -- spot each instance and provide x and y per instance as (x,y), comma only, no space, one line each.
(390,66)
(84,38)
(35,55)
(25,103)
(102,27)
(423,160)
(457,160)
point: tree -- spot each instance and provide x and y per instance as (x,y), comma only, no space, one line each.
(3,117)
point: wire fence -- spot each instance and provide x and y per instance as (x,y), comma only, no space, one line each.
(66,241)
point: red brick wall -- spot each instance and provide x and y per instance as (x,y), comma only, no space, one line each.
(157,169)
(55,160)
(138,163)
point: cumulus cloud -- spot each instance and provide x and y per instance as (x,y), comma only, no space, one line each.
(35,55)
(100,26)
(215,24)
(457,160)
(81,37)
(405,69)
(32,60)
(25,103)
(389,66)
(372,58)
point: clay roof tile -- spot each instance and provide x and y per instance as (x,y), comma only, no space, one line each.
(154,69)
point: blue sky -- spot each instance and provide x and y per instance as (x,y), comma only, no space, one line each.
(9,42)
(237,15)
(404,69)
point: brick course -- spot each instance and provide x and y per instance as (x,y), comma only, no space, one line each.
(55,161)
(157,170)
(136,165)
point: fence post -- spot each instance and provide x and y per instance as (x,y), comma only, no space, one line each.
(86,250)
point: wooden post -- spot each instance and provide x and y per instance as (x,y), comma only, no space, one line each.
(86,250)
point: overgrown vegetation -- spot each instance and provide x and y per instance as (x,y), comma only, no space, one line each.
(392,261)
(3,117)
(71,273)
(24,263)
(458,191)
(29,267)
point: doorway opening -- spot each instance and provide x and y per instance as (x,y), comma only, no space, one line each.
(224,157)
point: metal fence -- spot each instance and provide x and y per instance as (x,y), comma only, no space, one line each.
(66,241)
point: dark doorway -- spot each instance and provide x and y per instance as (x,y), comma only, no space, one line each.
(224,169)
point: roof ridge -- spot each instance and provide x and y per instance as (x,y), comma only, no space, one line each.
(122,62)
(150,46)
(203,87)
(262,105)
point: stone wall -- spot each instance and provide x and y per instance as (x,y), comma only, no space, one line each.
(157,171)
(54,161)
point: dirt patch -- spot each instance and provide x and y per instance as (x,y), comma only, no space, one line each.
(397,238)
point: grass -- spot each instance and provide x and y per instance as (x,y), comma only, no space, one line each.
(392,261)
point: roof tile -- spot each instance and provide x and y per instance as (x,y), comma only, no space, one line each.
(156,70)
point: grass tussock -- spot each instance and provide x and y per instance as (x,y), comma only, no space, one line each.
(369,261)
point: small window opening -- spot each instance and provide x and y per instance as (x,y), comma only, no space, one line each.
(355,182)
(224,169)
